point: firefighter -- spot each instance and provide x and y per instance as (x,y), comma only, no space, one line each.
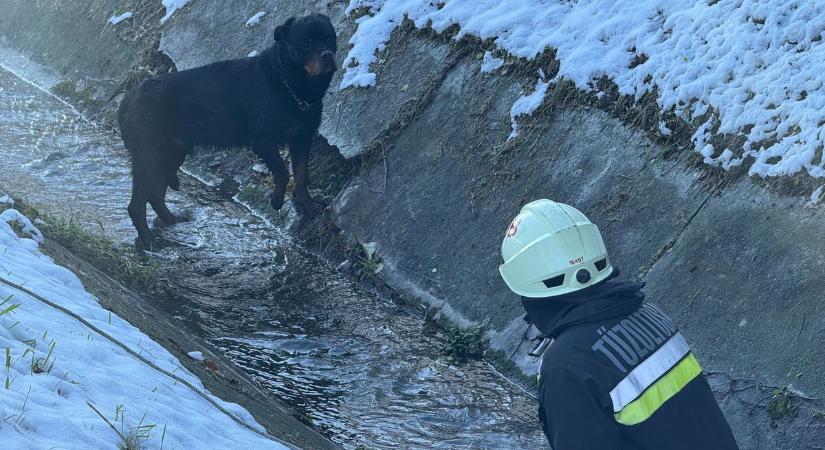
(617,374)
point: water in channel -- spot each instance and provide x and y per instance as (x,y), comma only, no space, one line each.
(366,371)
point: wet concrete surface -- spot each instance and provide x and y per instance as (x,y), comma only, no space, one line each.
(364,370)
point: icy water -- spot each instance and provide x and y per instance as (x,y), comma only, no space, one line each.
(366,371)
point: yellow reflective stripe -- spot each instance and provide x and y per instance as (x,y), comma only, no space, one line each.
(659,392)
(649,371)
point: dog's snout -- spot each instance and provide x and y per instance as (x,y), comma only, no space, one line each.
(328,61)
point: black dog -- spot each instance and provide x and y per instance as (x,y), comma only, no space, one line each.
(262,102)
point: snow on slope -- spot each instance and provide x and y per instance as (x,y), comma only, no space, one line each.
(55,365)
(758,67)
(256,19)
(526,105)
(491,63)
(114,20)
(172,6)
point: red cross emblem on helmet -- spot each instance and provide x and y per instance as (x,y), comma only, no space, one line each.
(513,228)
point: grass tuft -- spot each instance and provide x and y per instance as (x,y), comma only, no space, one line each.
(134,438)
(466,344)
(83,97)
(781,405)
(115,260)
(364,260)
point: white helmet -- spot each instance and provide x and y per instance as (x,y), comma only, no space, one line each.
(552,249)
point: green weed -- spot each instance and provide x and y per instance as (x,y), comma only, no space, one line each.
(94,247)
(84,97)
(781,405)
(466,344)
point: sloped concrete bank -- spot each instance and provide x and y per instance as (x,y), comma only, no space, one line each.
(737,266)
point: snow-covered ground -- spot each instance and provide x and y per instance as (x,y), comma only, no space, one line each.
(755,68)
(114,20)
(54,365)
(172,6)
(526,105)
(256,19)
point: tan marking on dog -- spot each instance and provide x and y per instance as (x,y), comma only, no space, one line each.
(313,66)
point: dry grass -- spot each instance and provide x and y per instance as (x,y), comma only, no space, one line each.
(118,261)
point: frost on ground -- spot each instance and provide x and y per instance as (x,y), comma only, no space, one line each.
(114,20)
(172,6)
(54,365)
(256,19)
(756,68)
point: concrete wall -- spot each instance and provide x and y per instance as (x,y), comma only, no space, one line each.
(738,269)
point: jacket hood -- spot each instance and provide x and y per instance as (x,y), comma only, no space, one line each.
(552,315)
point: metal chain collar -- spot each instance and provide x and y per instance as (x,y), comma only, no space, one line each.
(303,105)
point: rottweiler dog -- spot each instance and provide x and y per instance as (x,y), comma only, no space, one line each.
(261,102)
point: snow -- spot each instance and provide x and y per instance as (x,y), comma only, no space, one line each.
(526,105)
(57,365)
(256,19)
(172,6)
(368,4)
(12,215)
(490,63)
(114,20)
(755,68)
(662,127)
(260,168)
(700,141)
(816,196)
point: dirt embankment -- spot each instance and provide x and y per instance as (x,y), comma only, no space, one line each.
(736,262)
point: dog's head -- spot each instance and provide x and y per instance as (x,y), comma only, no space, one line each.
(310,42)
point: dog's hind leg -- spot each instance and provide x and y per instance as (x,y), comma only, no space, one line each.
(299,147)
(148,185)
(268,152)
(157,198)
(137,212)
(176,157)
(173,181)
(170,163)
(173,159)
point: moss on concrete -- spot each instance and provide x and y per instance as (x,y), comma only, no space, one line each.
(82,97)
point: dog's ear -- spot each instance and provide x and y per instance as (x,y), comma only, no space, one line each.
(282,30)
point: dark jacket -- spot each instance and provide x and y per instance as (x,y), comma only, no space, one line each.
(619,375)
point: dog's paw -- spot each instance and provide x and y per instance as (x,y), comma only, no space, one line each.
(309,207)
(157,222)
(143,245)
(276,200)
(186,215)
(178,217)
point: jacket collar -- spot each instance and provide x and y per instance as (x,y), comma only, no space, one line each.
(603,301)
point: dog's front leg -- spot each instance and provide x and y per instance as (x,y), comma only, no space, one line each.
(268,151)
(299,147)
